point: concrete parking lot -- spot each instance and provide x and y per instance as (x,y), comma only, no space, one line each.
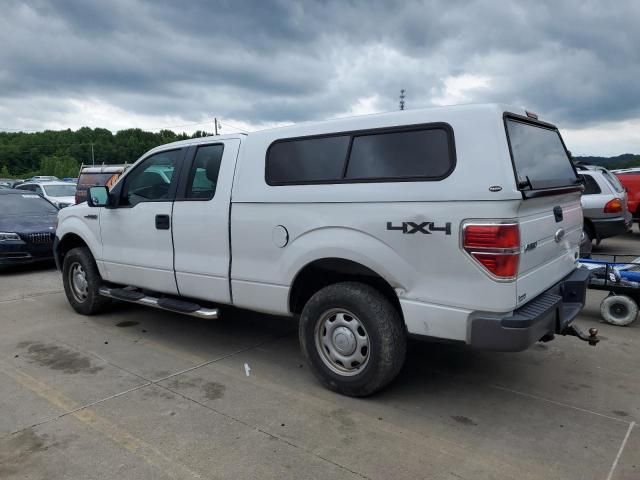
(139,393)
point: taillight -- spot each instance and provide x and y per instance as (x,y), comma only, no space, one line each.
(495,246)
(613,206)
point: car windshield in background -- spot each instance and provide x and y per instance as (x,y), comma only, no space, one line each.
(60,190)
(25,204)
(539,156)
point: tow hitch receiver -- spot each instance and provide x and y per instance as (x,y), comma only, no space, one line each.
(592,337)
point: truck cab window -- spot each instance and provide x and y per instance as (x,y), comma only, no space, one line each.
(203,176)
(151,180)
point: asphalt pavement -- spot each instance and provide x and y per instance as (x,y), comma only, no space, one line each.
(145,394)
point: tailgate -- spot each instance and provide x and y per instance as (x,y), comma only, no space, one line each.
(550,214)
(550,231)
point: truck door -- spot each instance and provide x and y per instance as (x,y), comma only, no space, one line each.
(201,221)
(137,247)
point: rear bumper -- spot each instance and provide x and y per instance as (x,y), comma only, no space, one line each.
(549,313)
(610,227)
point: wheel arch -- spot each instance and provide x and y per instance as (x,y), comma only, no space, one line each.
(326,271)
(68,242)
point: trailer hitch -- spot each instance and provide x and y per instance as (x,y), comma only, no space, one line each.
(591,337)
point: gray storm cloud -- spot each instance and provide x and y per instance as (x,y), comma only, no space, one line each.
(260,62)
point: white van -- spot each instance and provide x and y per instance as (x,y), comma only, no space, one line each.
(454,223)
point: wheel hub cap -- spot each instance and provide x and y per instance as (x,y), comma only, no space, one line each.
(344,340)
(78,281)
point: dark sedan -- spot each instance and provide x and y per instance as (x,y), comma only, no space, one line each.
(27,227)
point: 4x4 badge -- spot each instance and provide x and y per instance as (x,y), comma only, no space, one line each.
(423,227)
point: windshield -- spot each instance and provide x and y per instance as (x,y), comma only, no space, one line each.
(60,190)
(539,156)
(25,204)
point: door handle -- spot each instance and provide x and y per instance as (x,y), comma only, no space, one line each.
(163,222)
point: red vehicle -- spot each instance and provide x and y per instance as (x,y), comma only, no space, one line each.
(630,180)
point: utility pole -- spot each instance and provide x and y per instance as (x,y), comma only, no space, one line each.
(217,125)
(402,95)
(93,160)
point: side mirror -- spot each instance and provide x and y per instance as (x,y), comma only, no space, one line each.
(98,197)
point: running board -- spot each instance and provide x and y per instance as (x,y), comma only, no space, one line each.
(169,304)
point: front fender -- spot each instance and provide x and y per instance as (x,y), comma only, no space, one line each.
(74,223)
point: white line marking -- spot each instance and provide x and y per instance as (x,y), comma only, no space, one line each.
(555,402)
(624,443)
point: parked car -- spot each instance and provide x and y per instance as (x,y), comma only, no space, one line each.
(61,194)
(27,226)
(604,203)
(455,223)
(43,178)
(630,180)
(105,175)
(15,182)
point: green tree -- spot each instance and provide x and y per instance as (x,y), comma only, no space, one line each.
(60,166)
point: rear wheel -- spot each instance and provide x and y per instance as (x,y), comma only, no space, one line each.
(82,281)
(619,310)
(353,338)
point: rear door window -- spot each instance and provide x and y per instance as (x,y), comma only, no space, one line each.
(203,177)
(539,157)
(591,187)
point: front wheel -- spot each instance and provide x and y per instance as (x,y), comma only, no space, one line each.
(353,338)
(82,281)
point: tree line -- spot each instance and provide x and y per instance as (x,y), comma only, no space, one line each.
(61,153)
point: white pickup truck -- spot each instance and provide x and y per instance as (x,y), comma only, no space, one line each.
(455,223)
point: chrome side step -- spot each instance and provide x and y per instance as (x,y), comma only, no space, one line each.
(177,306)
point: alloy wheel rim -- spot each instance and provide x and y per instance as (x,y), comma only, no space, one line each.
(342,342)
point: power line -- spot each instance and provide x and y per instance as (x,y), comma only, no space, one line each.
(233,126)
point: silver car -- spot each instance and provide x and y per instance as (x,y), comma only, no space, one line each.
(604,204)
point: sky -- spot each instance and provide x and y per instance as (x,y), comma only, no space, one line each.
(254,64)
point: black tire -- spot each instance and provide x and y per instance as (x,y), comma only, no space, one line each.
(586,245)
(382,330)
(87,301)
